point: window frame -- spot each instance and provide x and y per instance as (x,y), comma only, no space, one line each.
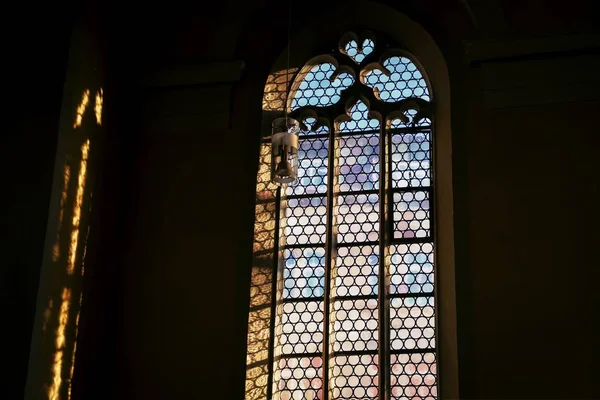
(442,235)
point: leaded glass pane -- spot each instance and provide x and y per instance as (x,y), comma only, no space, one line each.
(377,251)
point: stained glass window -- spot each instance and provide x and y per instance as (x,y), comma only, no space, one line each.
(351,304)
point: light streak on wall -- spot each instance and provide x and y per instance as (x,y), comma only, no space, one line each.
(72,371)
(276,88)
(63,319)
(77,207)
(47,315)
(63,200)
(261,296)
(85,99)
(64,351)
(75,343)
(98,106)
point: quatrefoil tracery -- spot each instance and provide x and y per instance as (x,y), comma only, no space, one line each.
(357,47)
(328,87)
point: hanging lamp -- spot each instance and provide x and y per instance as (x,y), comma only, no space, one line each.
(284,134)
(284,145)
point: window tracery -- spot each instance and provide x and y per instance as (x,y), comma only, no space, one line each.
(351,311)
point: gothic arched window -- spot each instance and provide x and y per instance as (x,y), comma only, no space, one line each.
(342,294)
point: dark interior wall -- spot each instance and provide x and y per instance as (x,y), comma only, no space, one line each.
(34,57)
(525,188)
(526,296)
(177,309)
(532,210)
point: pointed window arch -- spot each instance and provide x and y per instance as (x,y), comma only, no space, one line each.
(343,282)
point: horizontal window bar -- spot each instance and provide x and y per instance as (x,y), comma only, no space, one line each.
(299,300)
(412,189)
(407,129)
(357,192)
(410,129)
(426,239)
(313,136)
(302,246)
(303,196)
(354,353)
(358,244)
(357,297)
(298,355)
(410,295)
(357,133)
(414,351)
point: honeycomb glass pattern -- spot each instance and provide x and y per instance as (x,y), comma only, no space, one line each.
(312,167)
(305,221)
(351,49)
(405,81)
(301,327)
(340,172)
(356,271)
(316,88)
(355,324)
(355,377)
(411,160)
(411,268)
(297,374)
(414,376)
(411,215)
(358,218)
(358,162)
(304,272)
(412,323)
(359,120)
(298,379)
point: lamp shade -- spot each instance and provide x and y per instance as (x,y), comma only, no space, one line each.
(284,157)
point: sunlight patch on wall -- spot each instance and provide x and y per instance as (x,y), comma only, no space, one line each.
(261,296)
(85,99)
(98,106)
(72,370)
(276,88)
(77,206)
(69,241)
(63,200)
(265,188)
(256,382)
(75,341)
(63,319)
(47,315)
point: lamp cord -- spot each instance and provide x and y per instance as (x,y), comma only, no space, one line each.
(287,71)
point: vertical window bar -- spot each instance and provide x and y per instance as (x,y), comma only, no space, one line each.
(274,296)
(329,253)
(382,292)
(432,202)
(389,222)
(433,237)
